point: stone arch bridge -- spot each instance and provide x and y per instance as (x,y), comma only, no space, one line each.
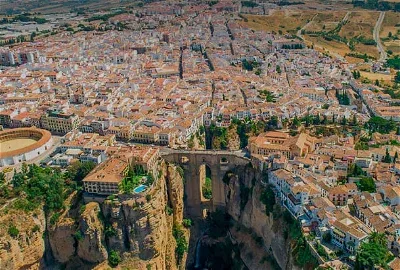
(219,162)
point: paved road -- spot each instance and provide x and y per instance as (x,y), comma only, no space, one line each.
(377,29)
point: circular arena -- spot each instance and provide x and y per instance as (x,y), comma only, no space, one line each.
(23,144)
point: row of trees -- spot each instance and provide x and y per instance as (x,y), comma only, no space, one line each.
(381,125)
(343,98)
(356,74)
(23,18)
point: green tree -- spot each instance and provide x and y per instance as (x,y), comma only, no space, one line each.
(296,122)
(78,170)
(13,231)
(373,253)
(354,121)
(387,158)
(2,177)
(381,125)
(18,179)
(366,184)
(344,121)
(397,77)
(355,170)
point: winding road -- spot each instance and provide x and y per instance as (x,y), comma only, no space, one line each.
(377,29)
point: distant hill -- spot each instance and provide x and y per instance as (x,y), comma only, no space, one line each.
(9,7)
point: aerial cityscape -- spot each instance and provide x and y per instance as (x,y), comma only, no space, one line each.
(221,134)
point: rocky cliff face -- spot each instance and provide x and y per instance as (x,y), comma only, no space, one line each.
(244,205)
(90,235)
(21,242)
(138,227)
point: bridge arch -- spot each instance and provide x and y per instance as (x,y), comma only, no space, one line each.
(218,162)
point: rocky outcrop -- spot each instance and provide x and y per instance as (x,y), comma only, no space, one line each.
(90,235)
(21,247)
(175,192)
(61,238)
(138,227)
(244,205)
(142,228)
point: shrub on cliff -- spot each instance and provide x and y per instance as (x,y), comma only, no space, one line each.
(187,222)
(181,242)
(113,258)
(13,231)
(268,199)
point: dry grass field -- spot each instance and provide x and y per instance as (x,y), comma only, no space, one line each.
(287,21)
(389,25)
(368,49)
(377,76)
(360,23)
(330,46)
(325,21)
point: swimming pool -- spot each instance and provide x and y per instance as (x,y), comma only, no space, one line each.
(140,189)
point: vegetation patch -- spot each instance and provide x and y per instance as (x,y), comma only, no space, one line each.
(13,231)
(207,188)
(373,253)
(181,242)
(268,199)
(113,258)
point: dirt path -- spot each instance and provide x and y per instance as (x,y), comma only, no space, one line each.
(346,17)
(304,27)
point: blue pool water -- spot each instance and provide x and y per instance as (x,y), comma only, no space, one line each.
(140,188)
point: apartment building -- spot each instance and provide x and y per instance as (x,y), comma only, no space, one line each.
(339,195)
(348,232)
(59,122)
(105,178)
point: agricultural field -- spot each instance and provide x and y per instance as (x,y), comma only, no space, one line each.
(390,32)
(284,20)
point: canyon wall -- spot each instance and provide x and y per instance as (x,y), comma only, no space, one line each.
(245,207)
(138,228)
(21,242)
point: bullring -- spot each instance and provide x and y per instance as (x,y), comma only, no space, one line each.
(23,144)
